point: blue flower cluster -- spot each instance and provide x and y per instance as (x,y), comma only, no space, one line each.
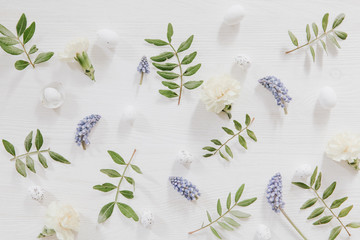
(274,193)
(143,65)
(84,128)
(277,88)
(185,188)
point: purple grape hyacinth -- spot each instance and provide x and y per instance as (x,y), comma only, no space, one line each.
(143,67)
(185,188)
(278,90)
(84,128)
(274,193)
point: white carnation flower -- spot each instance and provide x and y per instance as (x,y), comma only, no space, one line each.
(63,219)
(78,45)
(219,92)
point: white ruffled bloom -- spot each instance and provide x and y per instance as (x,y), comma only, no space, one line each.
(63,219)
(78,45)
(219,92)
(344,147)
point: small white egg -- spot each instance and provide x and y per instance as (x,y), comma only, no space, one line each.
(243,61)
(327,97)
(36,193)
(147,218)
(303,171)
(234,15)
(185,158)
(130,114)
(263,232)
(108,38)
(51,97)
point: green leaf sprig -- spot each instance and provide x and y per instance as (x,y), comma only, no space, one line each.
(125,209)
(314,186)
(225,218)
(331,34)
(167,68)
(10,40)
(20,165)
(219,145)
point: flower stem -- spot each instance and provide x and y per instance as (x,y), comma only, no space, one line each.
(217,150)
(27,55)
(293,224)
(322,200)
(123,175)
(181,72)
(142,76)
(29,153)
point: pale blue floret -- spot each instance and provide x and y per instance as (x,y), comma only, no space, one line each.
(274,193)
(84,128)
(277,88)
(143,65)
(185,188)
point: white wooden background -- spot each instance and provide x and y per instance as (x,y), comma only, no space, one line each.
(162,128)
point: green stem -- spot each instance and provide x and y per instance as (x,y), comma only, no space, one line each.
(123,175)
(311,42)
(234,136)
(27,55)
(293,224)
(29,153)
(322,200)
(181,72)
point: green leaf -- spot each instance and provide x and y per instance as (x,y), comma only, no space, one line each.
(165,66)
(313,177)
(341,35)
(208,216)
(30,164)
(20,167)
(168,93)
(308,34)
(11,49)
(239,214)
(247,120)
(127,211)
(157,42)
(237,125)
(242,141)
(329,191)
(337,203)
(207,155)
(38,140)
(223,156)
(42,160)
(228,201)
(116,157)
(21,64)
(323,220)
(325,21)
(127,194)
(106,212)
(170,32)
(210,149)
(21,25)
(315,29)
(106,187)
(228,131)
(111,173)
(6,32)
(228,150)
(162,57)
(247,202)
(33,49)
(43,57)
(216,142)
(345,211)
(312,51)
(323,45)
(193,84)
(29,33)
(338,20)
(185,45)
(9,147)
(8,41)
(309,203)
(168,75)
(239,192)
(215,232)
(57,157)
(318,182)
(189,58)
(293,39)
(353,225)
(130,180)
(302,185)
(316,212)
(333,40)
(231,222)
(170,85)
(192,70)
(251,134)
(136,168)
(219,208)
(335,232)
(225,226)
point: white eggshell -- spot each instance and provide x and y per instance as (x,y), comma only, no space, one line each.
(303,171)
(52,96)
(234,15)
(185,158)
(243,61)
(130,114)
(108,38)
(36,193)
(147,218)
(263,232)
(327,98)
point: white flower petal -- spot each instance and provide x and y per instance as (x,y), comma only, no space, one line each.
(344,147)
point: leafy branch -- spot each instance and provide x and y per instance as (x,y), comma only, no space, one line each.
(330,34)
(125,209)
(214,150)
(224,220)
(167,68)
(314,186)
(20,165)
(9,40)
